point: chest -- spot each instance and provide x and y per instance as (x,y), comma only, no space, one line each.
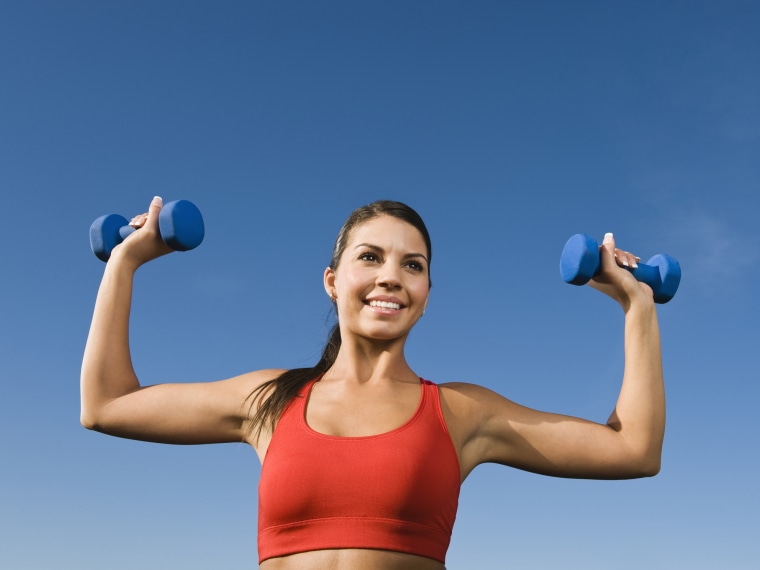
(361,413)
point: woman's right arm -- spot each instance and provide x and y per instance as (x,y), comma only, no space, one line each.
(112,399)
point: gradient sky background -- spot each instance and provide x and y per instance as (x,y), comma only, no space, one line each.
(509,125)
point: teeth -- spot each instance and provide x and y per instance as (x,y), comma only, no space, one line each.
(384,304)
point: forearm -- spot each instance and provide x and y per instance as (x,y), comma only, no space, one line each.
(107,371)
(639,415)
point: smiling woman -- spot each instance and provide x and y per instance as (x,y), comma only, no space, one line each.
(362,459)
(283,388)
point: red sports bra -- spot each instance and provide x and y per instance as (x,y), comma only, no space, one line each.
(393,491)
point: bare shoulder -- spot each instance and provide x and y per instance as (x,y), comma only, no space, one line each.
(241,387)
(467,396)
(478,405)
(249,389)
(466,406)
(468,409)
(250,381)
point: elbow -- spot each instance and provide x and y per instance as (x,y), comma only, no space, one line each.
(644,460)
(638,465)
(88,421)
(90,418)
(643,472)
(647,466)
(652,468)
(652,460)
(87,412)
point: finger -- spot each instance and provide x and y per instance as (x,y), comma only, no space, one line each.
(139,220)
(153,210)
(613,257)
(626,259)
(623,258)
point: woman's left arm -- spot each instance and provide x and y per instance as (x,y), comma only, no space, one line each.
(639,415)
(489,428)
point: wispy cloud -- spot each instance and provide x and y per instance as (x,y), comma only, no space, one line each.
(713,249)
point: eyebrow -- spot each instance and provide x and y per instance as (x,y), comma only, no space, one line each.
(381,250)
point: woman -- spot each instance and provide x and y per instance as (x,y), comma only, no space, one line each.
(362,459)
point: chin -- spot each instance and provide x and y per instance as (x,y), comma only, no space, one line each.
(384,335)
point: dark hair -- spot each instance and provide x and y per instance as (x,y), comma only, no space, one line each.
(287,385)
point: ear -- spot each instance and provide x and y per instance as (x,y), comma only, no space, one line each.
(329,282)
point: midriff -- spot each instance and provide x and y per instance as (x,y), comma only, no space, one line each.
(350,559)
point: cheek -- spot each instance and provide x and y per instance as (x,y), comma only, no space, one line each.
(425,297)
(420,285)
(351,281)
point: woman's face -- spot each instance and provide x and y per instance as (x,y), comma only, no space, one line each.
(381,284)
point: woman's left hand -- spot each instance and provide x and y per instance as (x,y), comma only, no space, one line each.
(614,278)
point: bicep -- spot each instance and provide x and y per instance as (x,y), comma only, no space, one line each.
(190,413)
(504,432)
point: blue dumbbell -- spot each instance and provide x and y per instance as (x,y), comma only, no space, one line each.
(580,262)
(180,223)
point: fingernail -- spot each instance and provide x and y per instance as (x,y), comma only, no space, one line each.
(607,237)
(157,200)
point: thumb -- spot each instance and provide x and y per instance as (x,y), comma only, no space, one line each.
(155,205)
(154,210)
(607,250)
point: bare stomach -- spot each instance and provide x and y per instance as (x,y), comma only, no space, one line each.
(350,559)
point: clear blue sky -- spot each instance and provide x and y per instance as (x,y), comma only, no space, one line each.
(509,125)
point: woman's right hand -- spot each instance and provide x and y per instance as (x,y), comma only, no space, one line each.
(145,244)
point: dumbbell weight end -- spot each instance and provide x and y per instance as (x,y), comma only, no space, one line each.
(105,234)
(667,276)
(181,225)
(580,260)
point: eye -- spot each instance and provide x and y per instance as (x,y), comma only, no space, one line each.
(368,256)
(415,266)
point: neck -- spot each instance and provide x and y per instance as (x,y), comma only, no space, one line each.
(363,361)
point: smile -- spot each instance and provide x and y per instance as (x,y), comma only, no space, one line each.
(384,305)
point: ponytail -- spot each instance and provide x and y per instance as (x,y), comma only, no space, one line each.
(286,387)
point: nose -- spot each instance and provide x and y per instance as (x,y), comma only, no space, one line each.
(389,276)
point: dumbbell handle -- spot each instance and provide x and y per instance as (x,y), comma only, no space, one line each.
(180,225)
(580,261)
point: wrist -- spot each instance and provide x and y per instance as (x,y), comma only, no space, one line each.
(640,303)
(121,261)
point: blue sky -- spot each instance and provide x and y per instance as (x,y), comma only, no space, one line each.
(508,125)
